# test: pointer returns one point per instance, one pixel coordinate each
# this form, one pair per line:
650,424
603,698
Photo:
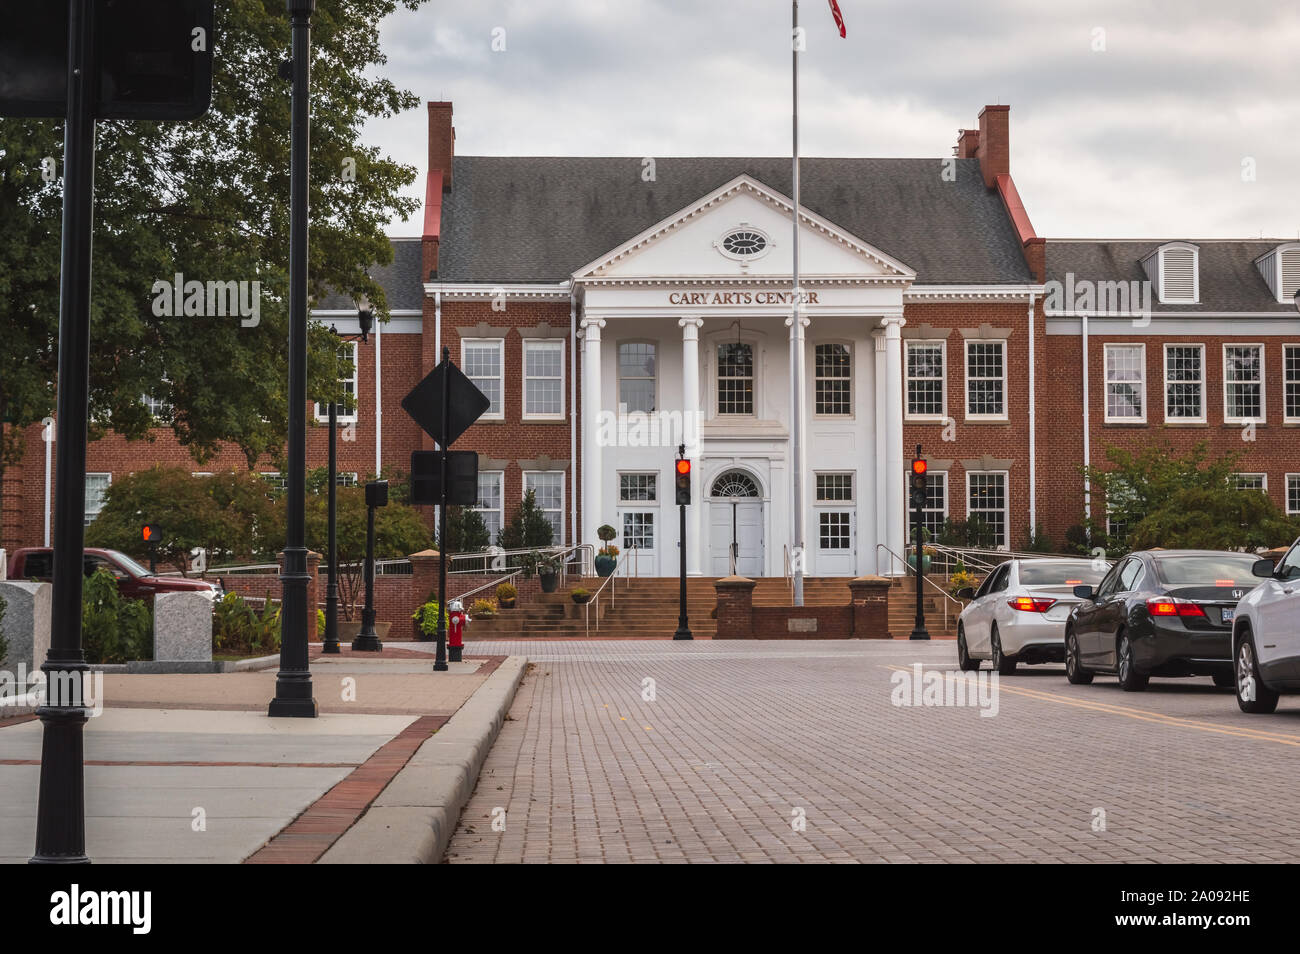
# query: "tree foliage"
527,528
466,532
207,199
1163,499
231,515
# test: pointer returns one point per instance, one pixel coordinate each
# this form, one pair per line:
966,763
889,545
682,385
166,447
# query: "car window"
37,566
94,563
1061,573
1110,582
1207,569
1129,575
1289,568
1001,579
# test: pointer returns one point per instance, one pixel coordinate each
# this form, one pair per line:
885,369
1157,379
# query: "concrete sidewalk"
189,769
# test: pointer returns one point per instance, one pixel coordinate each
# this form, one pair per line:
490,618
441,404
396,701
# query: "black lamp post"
293,688
365,321
368,640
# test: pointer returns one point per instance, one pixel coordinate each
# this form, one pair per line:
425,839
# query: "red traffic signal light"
149,533
683,466
683,482
920,465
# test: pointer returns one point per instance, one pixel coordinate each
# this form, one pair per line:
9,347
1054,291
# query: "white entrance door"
736,525
641,531
749,537
836,547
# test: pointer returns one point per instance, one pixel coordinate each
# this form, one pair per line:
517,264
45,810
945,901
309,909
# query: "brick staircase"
646,608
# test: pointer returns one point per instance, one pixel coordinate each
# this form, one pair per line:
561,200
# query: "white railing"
609,581
917,574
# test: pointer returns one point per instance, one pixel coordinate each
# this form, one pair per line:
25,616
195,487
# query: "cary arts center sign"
740,298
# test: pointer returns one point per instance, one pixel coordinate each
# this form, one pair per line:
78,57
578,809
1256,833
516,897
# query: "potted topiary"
606,556
506,595
548,573
483,609
580,595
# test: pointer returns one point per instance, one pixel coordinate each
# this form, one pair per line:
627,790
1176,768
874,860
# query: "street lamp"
365,321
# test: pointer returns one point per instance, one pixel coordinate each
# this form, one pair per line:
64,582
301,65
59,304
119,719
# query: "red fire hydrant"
457,620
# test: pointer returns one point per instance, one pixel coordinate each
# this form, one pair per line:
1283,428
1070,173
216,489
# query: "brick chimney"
968,143
442,141
994,143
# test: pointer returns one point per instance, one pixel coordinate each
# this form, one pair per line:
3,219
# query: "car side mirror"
1264,568
966,593
1083,591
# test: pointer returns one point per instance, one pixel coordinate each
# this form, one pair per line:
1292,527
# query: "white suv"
1266,635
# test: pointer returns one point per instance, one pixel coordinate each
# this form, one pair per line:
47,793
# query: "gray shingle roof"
538,219
401,281
1229,278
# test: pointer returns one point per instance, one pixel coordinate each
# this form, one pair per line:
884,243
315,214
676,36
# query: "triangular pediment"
694,244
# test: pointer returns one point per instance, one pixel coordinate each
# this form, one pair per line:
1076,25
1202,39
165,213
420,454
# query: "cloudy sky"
1129,118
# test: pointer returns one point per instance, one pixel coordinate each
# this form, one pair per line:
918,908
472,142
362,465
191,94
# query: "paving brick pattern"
741,736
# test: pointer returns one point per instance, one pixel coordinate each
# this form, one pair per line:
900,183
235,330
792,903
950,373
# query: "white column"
878,491
895,512
592,452
692,417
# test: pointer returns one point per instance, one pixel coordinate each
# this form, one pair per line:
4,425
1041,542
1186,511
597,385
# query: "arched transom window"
735,483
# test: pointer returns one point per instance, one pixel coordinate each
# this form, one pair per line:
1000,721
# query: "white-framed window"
638,529
1243,383
159,409
638,488
637,375
935,512
348,355
543,379
277,481
835,487
200,473
926,372
833,380
1257,482
345,480
735,378
986,498
835,530
1185,383
986,379
483,361
96,486
548,489
1126,383
1293,494
490,497
1291,382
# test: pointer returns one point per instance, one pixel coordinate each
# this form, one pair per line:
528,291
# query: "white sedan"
1018,614
1266,635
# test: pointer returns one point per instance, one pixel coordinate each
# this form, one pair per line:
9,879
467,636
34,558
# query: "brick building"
612,308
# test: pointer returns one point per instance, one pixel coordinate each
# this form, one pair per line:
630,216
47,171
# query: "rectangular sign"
462,478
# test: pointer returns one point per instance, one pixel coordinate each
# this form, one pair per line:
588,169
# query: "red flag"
839,17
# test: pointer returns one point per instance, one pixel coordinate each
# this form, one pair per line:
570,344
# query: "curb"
412,819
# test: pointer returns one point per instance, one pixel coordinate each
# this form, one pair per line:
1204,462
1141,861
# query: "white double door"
736,523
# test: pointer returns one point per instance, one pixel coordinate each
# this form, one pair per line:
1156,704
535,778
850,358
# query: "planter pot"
925,562
507,604
605,565
348,630
550,582
580,600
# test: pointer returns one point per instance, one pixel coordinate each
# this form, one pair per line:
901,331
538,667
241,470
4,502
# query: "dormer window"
1174,271
1281,269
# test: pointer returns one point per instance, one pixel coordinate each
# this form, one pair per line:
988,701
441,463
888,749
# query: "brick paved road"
741,736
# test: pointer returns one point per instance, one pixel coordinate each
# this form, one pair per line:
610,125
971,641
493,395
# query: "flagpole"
796,342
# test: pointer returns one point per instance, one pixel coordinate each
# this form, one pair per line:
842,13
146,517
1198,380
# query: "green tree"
229,515
527,528
1162,498
207,199
399,531
466,532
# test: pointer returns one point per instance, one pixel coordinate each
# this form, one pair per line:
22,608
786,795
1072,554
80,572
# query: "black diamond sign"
465,403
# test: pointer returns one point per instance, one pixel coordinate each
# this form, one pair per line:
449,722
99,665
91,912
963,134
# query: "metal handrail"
478,589
944,593
595,597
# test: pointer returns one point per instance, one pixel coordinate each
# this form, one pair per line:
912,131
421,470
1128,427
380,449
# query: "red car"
133,581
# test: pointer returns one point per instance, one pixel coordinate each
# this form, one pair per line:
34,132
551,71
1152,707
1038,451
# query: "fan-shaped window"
735,483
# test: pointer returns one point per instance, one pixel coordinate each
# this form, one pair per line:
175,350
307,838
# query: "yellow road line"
1142,715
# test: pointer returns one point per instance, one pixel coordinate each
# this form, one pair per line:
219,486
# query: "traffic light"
683,482
919,484
150,534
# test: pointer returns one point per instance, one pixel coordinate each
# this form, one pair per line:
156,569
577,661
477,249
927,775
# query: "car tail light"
1172,606
1027,604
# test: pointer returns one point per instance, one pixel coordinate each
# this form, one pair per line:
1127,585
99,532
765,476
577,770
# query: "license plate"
1228,614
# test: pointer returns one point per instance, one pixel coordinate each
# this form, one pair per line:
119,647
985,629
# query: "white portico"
686,339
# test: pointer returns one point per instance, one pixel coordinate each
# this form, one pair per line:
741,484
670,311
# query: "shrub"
580,592
4,643
1036,541
507,591
606,533
426,617
113,629
961,579
240,630
320,622
527,528
484,609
